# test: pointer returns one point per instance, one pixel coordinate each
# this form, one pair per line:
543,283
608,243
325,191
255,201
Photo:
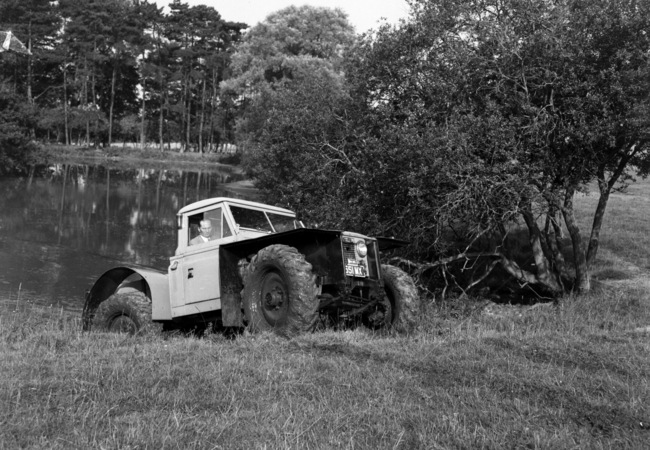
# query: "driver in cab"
205,233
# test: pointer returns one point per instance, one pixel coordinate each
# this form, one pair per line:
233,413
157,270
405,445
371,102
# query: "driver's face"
206,230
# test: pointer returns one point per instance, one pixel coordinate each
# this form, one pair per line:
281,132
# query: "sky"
362,14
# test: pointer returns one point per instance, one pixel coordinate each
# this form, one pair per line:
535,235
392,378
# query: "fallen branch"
420,268
524,277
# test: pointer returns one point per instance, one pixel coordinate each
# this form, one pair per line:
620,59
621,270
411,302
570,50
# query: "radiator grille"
348,251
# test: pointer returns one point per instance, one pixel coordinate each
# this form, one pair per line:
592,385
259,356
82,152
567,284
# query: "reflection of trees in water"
124,214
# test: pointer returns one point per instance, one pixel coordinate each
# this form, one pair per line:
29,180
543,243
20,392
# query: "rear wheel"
280,292
400,307
123,313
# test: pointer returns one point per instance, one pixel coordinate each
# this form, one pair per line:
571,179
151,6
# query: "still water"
62,226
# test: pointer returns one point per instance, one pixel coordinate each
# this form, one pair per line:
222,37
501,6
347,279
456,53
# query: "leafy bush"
16,120
458,128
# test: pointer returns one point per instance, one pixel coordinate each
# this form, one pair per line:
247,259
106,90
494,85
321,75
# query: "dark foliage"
16,119
91,60
465,124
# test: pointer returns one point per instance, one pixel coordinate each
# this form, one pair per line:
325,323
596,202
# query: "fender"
389,243
153,283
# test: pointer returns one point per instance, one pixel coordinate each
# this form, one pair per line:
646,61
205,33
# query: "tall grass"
552,376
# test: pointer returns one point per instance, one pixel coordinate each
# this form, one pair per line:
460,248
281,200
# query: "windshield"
251,218
283,223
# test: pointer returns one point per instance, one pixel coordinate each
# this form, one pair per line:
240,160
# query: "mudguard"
153,283
387,243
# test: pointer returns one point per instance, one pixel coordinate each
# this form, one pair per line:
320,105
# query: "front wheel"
123,313
401,306
280,292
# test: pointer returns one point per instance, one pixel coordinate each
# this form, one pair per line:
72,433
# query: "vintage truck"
257,266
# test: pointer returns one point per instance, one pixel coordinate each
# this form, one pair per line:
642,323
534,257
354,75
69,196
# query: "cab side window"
194,230
225,228
218,226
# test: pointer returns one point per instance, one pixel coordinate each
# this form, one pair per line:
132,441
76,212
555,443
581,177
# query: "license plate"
355,270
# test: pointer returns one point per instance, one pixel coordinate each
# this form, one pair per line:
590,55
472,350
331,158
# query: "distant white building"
10,43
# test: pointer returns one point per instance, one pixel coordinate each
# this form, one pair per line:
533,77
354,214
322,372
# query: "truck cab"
194,272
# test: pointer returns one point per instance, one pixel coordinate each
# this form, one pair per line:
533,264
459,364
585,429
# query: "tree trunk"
202,118
540,255
582,283
597,224
85,100
144,105
30,64
110,108
553,233
66,126
605,187
94,92
188,136
161,115
212,121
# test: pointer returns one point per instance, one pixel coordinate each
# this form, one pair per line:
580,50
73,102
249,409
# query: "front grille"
348,251
354,265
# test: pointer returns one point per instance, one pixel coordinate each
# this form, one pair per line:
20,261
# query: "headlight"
362,250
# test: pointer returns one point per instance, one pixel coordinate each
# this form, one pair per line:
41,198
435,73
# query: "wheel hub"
274,299
123,324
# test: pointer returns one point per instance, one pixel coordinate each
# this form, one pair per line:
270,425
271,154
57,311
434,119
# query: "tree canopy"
279,55
94,63
473,119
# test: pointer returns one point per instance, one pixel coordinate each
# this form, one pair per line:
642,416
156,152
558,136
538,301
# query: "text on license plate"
355,270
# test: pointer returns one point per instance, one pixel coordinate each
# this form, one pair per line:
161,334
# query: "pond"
63,225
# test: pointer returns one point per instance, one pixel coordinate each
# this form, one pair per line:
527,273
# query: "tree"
277,52
300,127
475,118
123,47
557,89
149,18
15,122
36,22
86,27
94,58
199,43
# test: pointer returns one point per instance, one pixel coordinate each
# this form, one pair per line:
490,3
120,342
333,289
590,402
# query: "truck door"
194,275
201,273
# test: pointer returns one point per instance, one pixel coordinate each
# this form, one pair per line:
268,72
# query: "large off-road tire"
280,292
128,312
401,306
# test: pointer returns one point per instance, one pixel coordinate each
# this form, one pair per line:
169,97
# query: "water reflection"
61,226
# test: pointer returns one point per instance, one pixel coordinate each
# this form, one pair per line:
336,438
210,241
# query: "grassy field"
474,375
